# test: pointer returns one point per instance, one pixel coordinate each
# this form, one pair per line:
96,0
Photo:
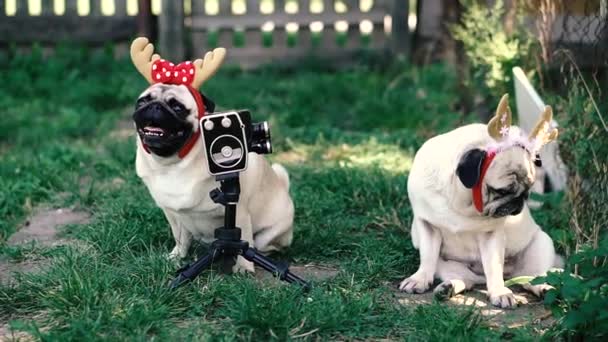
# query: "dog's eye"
177,107
501,192
142,101
537,161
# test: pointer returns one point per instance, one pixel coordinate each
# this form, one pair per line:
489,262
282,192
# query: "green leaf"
519,281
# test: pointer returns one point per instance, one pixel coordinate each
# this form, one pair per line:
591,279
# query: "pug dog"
170,161
468,189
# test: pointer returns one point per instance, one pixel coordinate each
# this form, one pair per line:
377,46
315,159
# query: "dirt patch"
529,311
41,227
7,268
7,334
309,272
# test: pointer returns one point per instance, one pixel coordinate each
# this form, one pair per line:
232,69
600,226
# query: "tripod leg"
280,270
189,272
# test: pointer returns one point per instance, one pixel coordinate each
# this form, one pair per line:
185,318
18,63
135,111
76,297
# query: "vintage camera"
229,136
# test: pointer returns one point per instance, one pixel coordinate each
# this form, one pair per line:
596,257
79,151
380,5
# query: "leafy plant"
580,302
491,51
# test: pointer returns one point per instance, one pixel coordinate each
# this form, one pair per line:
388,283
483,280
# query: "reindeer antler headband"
499,128
157,70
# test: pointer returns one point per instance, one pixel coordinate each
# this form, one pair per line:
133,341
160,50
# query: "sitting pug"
170,160
468,189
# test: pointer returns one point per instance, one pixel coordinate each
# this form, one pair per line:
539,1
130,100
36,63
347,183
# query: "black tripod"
228,244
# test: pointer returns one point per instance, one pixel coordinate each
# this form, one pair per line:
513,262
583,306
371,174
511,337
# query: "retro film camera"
228,138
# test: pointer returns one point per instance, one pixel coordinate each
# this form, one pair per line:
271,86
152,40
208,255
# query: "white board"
529,108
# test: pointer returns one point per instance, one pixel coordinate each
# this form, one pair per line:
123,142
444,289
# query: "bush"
491,52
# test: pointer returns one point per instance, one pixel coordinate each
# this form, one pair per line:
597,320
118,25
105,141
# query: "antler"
499,125
543,132
205,68
142,55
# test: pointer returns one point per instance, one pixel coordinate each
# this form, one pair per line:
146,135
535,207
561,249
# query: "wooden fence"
49,22
254,31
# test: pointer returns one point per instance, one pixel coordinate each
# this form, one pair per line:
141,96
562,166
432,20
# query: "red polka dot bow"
166,72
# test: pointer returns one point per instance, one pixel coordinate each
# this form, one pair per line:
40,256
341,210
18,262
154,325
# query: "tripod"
228,244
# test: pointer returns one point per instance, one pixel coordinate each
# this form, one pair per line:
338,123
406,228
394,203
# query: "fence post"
144,13
400,32
171,30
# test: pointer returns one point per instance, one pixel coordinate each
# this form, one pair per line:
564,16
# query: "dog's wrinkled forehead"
166,92
513,165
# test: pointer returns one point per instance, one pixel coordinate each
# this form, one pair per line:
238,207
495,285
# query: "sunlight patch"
368,154
371,154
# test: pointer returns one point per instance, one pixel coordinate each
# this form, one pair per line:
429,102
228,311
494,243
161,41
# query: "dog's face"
165,117
507,182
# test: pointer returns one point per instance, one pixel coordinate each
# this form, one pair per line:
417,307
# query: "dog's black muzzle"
513,207
162,130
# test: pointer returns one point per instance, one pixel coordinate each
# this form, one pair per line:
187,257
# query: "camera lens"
260,138
260,131
263,147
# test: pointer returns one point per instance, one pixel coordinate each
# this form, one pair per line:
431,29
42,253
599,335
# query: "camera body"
229,136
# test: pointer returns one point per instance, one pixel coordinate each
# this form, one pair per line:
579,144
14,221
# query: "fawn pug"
170,160
468,189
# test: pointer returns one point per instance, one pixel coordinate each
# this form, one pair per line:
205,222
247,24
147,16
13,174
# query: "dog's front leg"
429,244
182,237
492,250
243,221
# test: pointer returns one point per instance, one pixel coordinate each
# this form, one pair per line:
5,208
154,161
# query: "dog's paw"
243,266
419,282
444,291
538,290
175,255
502,298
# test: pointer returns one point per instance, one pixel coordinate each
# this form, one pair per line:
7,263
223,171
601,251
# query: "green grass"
347,137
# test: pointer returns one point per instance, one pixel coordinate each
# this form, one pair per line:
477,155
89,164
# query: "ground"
82,246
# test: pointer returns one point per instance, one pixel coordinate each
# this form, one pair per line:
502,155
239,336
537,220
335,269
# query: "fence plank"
46,8
400,32
171,30
225,7
328,6
120,8
253,38
353,36
144,18
225,34
304,6
279,7
198,38
353,6
95,7
21,9
304,37
71,8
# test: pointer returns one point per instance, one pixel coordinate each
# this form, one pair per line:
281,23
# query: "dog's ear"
209,104
469,167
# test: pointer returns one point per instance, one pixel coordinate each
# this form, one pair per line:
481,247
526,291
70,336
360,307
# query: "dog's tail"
282,173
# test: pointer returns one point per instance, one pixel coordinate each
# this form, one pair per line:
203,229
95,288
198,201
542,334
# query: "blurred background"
352,89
